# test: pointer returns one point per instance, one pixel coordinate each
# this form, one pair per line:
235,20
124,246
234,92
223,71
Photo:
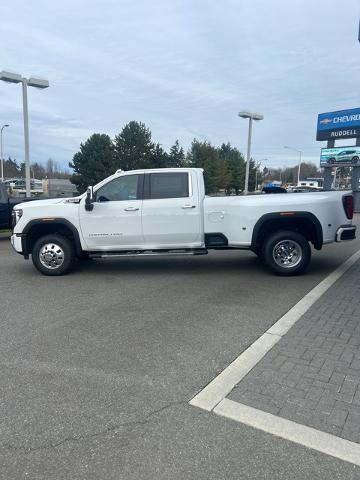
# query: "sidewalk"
312,375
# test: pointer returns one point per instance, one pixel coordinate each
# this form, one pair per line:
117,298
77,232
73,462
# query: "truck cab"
146,209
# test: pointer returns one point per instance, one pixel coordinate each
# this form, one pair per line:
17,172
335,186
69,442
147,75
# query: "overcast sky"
183,67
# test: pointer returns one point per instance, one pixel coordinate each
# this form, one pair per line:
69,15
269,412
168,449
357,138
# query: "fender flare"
284,216
52,221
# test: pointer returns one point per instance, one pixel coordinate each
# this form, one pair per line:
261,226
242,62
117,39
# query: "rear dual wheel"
286,253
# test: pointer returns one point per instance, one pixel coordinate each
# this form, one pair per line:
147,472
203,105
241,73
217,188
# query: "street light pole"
1,151
26,138
251,116
31,82
299,167
247,169
299,152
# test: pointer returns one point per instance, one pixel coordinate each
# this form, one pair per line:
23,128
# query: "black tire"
286,253
355,159
55,251
332,161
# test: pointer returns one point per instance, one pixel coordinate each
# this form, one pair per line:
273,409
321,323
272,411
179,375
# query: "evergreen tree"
206,156
235,165
22,169
158,158
176,157
134,148
94,162
11,168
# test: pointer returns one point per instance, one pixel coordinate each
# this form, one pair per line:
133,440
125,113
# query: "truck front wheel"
53,255
286,253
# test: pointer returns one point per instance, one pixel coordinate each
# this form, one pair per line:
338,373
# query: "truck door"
171,212
115,221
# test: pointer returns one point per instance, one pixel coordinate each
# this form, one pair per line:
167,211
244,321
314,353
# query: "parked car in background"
273,189
18,185
7,203
304,188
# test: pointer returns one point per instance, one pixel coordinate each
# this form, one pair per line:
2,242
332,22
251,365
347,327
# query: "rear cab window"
166,185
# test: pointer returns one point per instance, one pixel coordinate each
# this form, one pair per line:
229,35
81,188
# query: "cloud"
184,68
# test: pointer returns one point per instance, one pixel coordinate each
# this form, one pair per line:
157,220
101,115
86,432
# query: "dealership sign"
337,125
340,156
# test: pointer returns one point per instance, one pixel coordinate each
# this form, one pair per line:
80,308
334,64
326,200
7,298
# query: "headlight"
16,215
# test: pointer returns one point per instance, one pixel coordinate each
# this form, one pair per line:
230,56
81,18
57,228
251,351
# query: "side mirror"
89,199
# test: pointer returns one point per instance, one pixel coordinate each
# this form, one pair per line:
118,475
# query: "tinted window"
119,189
169,185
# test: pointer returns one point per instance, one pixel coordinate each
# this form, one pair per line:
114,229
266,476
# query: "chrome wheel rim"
51,256
287,254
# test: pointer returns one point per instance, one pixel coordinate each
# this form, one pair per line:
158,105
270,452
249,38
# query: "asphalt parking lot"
97,368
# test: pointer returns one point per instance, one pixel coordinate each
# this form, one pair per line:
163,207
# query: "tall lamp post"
251,116
31,82
299,152
1,150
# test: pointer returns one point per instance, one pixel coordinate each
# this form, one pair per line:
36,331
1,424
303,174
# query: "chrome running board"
149,253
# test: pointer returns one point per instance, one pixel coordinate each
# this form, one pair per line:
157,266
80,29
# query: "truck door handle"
188,206
131,209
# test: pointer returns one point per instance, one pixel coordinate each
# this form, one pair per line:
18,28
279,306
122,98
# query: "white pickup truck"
166,211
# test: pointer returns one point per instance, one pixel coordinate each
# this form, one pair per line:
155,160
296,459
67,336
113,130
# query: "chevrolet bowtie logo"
326,121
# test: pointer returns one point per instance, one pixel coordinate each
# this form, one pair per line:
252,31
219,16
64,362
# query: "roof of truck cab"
159,170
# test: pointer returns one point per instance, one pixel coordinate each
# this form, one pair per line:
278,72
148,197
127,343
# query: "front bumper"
345,232
16,243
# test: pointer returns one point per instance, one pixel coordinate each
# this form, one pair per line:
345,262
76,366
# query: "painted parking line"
212,397
281,427
221,386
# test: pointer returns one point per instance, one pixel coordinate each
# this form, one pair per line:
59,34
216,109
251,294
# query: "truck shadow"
160,265
244,263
